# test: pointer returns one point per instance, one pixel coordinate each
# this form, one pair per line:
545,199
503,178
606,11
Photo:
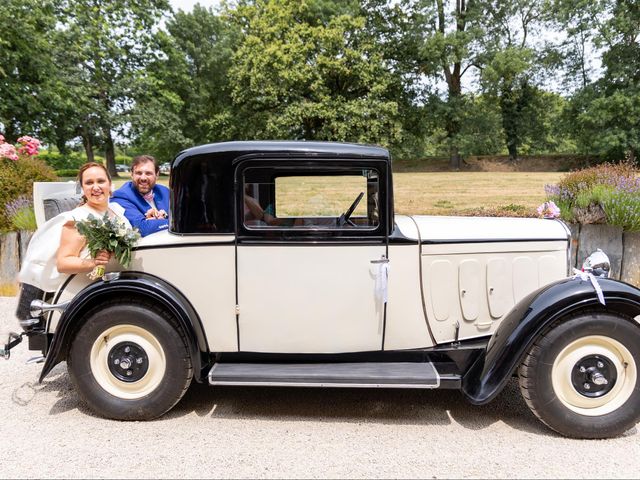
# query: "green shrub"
67,172
16,179
606,193
58,161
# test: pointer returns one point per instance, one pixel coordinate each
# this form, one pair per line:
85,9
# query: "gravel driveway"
286,432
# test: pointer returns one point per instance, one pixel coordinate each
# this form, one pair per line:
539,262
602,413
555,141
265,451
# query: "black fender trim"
137,283
529,318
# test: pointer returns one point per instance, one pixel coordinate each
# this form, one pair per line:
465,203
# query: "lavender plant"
21,214
604,194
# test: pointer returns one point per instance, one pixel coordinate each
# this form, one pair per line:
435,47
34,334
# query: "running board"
365,375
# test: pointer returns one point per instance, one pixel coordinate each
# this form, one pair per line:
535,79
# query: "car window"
346,199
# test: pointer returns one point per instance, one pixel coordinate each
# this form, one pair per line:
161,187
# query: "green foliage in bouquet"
110,235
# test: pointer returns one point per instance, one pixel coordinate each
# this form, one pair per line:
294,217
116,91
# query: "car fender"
142,285
530,317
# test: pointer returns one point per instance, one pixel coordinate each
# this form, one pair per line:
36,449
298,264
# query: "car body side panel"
474,285
204,272
207,273
406,324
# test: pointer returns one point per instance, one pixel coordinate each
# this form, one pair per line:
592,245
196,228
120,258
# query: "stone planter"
13,248
573,248
9,258
606,237
631,258
24,239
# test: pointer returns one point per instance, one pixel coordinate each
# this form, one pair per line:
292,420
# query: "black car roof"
238,149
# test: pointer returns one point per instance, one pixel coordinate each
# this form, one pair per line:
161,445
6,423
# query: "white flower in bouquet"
110,235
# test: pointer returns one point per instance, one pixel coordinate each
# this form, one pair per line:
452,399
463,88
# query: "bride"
57,249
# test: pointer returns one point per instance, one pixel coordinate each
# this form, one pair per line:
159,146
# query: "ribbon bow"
586,276
148,197
382,282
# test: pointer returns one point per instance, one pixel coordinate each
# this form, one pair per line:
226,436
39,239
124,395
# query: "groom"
146,204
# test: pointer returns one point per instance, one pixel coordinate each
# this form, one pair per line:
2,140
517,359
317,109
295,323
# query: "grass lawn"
447,193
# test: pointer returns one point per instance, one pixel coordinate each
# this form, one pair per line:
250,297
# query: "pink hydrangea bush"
29,147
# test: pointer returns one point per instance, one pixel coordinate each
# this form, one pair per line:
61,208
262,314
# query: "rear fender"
141,285
531,317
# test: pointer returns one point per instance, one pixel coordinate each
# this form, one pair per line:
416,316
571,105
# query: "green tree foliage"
27,69
443,39
512,62
607,112
297,79
184,97
108,45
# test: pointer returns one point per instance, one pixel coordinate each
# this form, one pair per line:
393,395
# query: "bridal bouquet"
110,235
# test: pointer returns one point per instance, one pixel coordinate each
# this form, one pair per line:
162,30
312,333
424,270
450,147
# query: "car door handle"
381,260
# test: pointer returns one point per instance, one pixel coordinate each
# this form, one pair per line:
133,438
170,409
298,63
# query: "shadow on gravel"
393,406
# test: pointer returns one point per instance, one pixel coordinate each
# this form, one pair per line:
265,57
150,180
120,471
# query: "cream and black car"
285,265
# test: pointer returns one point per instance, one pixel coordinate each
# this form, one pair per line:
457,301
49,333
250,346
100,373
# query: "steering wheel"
344,218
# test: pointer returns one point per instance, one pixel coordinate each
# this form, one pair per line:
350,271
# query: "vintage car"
285,265
165,169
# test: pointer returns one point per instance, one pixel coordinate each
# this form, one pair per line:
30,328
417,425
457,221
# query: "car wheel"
130,361
581,377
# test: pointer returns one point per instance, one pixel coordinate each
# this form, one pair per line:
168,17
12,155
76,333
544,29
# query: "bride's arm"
68,258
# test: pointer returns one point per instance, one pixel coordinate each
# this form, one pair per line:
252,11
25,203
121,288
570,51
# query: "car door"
310,255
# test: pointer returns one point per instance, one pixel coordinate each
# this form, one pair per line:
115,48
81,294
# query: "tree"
512,64
27,68
444,37
108,44
184,97
294,78
607,112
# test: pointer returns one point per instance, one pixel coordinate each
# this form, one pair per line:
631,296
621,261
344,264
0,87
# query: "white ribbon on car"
587,276
382,282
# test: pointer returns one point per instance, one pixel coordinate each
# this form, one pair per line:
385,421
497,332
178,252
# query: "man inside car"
145,203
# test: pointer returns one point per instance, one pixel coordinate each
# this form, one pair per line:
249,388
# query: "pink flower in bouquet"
548,210
1,138
8,151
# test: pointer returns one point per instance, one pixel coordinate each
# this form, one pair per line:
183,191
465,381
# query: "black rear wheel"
130,361
581,377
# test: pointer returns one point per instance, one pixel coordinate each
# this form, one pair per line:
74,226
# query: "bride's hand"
102,257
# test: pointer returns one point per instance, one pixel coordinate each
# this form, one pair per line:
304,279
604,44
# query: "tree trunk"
512,147
10,133
455,161
87,144
109,152
509,113
61,145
